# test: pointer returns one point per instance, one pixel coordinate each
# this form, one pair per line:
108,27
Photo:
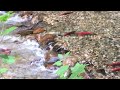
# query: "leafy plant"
61,57
7,59
4,18
67,54
75,71
7,31
3,70
58,63
61,71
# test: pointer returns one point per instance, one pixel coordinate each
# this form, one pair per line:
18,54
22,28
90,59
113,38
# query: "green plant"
8,59
6,16
75,71
62,71
3,19
61,57
3,70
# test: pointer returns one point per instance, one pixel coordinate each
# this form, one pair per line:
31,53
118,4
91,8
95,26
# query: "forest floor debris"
96,50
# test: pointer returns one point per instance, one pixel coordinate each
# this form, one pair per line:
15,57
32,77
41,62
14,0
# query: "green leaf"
4,56
6,16
58,63
62,70
60,56
80,68
76,70
3,70
3,18
9,59
7,31
67,54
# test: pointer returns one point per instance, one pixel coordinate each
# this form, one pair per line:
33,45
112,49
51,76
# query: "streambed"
29,57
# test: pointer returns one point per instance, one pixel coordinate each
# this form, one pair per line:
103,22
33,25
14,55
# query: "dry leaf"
38,30
47,37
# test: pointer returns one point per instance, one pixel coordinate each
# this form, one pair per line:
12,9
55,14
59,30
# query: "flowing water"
28,55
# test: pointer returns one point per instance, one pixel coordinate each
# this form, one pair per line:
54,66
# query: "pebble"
71,61
53,60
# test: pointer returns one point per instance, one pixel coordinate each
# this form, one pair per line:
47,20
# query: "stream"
29,57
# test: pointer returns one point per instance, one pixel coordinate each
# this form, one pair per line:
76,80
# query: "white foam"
2,12
15,19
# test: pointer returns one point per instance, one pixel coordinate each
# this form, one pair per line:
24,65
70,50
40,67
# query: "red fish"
84,33
115,69
114,64
66,13
69,33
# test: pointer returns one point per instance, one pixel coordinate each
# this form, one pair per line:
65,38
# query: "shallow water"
29,58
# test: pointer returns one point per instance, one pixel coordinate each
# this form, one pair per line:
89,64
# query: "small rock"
102,71
50,55
71,61
53,60
49,66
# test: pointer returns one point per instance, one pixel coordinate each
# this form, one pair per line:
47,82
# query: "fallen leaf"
38,30
47,37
